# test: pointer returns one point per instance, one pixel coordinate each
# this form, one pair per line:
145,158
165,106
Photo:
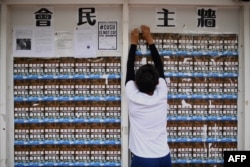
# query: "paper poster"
64,43
85,42
23,40
33,42
44,42
107,35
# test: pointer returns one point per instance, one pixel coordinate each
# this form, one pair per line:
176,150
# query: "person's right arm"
131,56
130,64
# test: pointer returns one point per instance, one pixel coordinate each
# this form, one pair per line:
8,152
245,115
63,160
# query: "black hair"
146,78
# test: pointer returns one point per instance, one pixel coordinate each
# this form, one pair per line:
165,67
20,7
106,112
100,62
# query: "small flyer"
85,43
107,35
23,38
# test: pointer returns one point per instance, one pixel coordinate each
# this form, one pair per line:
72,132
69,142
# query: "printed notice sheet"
107,35
85,42
64,43
33,42
44,42
23,39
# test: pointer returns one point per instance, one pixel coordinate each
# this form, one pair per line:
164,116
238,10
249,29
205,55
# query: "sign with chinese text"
43,17
165,17
206,17
107,35
86,16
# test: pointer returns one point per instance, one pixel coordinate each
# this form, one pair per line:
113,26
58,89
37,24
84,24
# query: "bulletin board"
67,72
202,97
67,86
201,64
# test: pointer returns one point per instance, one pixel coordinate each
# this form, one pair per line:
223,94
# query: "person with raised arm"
146,92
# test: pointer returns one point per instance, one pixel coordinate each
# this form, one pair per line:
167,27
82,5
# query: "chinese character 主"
85,15
206,18
166,18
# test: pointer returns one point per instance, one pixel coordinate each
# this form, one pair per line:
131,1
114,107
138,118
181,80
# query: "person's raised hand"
147,34
135,36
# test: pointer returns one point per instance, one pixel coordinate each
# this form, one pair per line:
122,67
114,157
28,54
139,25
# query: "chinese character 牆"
206,18
166,18
85,14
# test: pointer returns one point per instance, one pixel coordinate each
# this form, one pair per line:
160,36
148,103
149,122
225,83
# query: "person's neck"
150,93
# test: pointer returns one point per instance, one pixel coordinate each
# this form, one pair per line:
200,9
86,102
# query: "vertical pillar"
124,114
246,80
3,89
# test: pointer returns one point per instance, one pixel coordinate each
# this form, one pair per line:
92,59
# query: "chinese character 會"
43,17
166,18
85,16
206,18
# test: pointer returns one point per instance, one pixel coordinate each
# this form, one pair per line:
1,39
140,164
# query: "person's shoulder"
131,89
162,84
162,80
130,84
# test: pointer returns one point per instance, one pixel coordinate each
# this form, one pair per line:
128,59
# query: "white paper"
85,42
44,42
107,35
64,43
33,42
23,40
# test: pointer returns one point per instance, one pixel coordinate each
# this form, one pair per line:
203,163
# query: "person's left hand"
147,34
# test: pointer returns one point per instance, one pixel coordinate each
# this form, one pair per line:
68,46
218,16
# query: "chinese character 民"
43,17
206,18
85,16
165,18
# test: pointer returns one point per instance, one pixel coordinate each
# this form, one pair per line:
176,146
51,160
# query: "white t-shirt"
148,119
